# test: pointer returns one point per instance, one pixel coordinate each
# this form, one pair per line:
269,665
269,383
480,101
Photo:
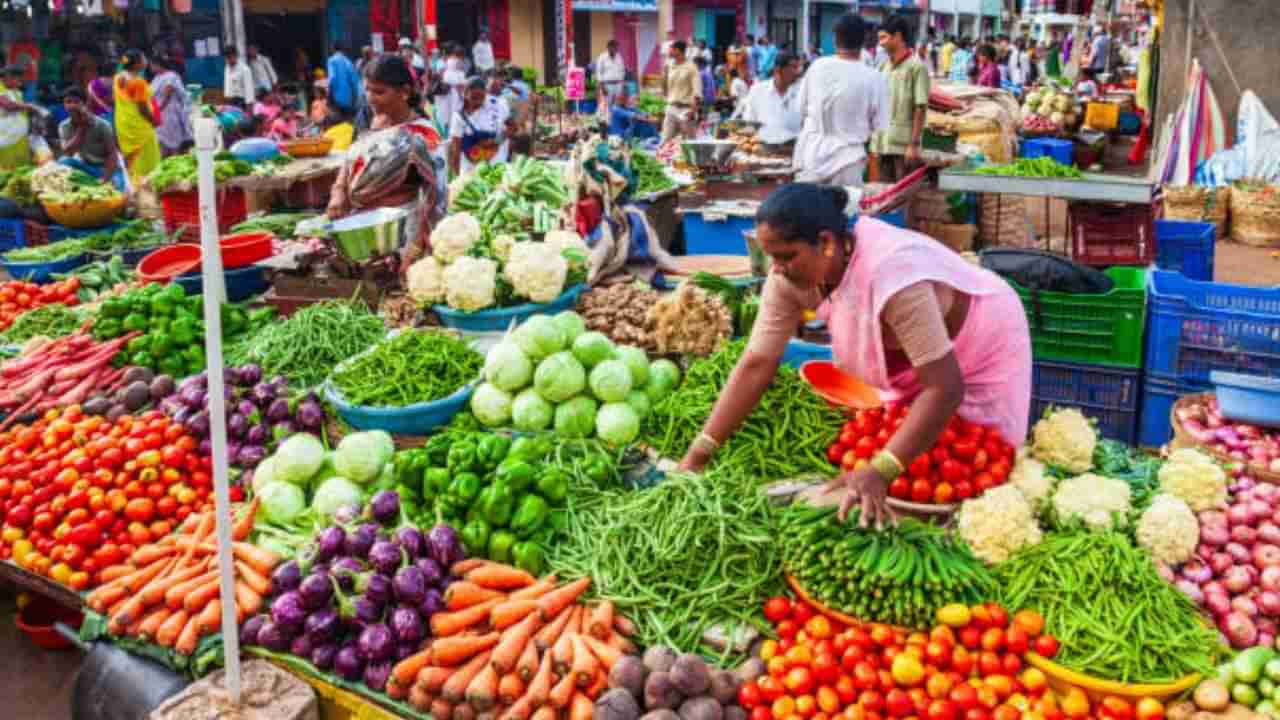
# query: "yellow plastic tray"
1061,678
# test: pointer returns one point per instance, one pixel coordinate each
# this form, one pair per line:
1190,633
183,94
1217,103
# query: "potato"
629,674
660,693
1180,711
1212,695
750,670
660,715
691,675
733,712
616,704
724,687
703,707
659,658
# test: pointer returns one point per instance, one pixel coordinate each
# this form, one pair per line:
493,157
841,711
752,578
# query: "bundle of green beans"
51,321
53,252
309,344
1114,615
415,366
900,575
786,436
686,555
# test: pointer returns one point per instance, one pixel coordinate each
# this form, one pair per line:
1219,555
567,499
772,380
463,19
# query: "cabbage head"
298,458
326,471
637,362
335,493
559,377
529,412
617,423
360,457
576,418
592,348
507,367
611,381
282,502
491,405
571,324
663,378
640,403
264,473
539,337
388,444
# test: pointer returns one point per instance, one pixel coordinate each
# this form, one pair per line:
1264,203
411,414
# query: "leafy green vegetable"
1041,167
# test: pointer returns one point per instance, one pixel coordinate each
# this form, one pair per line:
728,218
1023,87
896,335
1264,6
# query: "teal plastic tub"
499,319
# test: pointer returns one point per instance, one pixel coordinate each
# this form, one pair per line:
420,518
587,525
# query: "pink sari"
993,347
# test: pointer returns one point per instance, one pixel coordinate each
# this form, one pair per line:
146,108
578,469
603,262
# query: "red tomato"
921,491
871,700
865,676
761,712
941,710
1115,708
825,669
920,467
989,664
999,616
749,696
964,489
770,688
999,470
939,455
897,703
964,450
799,681
953,472
993,639
944,493
964,695
901,487
1016,640
777,609
801,612
846,690
787,629
1011,663
865,448
1046,646
835,452
983,482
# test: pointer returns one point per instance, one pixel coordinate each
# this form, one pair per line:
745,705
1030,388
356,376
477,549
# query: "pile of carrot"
168,591
510,646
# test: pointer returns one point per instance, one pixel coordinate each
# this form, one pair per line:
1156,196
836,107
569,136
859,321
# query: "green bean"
311,342
413,367
51,321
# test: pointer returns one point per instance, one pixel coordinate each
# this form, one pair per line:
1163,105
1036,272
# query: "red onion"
1245,482
1239,553
1266,556
1269,579
1236,579
1239,515
1266,624
1217,535
1166,572
1237,455
1219,605
1259,508
1213,587
1239,629
1269,603
1192,591
1269,532
1220,563
1212,517
1243,604
1244,534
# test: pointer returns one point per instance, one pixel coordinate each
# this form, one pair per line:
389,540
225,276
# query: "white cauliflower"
51,178
502,246
470,283
1195,478
454,236
1030,478
536,271
563,240
1065,439
998,524
1168,530
1094,499
426,281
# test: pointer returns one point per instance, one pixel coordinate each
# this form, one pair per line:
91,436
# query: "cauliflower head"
502,246
470,283
1065,439
563,240
1093,499
454,236
998,524
1168,530
426,281
536,270
1030,477
1195,478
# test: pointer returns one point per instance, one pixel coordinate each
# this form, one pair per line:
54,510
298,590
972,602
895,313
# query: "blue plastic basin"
242,283
418,419
1248,398
40,272
499,319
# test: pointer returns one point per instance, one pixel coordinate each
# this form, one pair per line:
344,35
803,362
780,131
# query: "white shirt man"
482,54
264,75
237,81
842,103
778,112
611,71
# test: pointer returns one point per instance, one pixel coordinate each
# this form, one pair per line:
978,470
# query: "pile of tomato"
971,666
80,493
17,297
967,460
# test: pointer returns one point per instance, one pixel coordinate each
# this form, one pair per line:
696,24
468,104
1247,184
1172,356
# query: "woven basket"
310,147
1003,221
1181,439
957,236
1198,204
1255,214
990,143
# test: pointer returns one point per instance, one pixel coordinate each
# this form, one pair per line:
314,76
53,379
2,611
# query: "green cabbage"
388,444
263,474
507,367
611,381
592,348
335,493
640,403
298,458
282,502
360,457
617,423
663,378
529,412
576,417
637,362
571,324
559,377
539,337
491,405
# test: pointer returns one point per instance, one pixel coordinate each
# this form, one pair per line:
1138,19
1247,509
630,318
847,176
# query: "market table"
40,585
305,182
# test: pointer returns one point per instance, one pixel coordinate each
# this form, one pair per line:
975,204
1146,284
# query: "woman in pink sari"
907,316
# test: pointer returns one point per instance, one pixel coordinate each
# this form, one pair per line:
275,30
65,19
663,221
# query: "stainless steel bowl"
368,234
707,153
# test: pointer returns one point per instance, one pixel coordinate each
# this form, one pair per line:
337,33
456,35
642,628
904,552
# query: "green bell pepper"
553,484
475,537
464,489
437,449
161,345
114,308
234,320
143,359
409,465
530,514
435,481
498,501
530,449
173,365
596,469
530,557
517,474
501,543
135,322
161,305
491,450
107,328
183,331
462,456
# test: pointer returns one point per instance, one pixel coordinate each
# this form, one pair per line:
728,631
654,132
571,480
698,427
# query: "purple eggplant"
366,611
432,603
322,655
445,546
281,384
288,610
193,397
316,590
406,625
286,577
278,410
385,557
411,539
322,625
199,382
250,455
329,542
249,630
249,374
206,446
360,542
246,408
258,435
409,585
345,570
404,650
432,575
376,587
199,423
182,415
377,674
302,646
171,405
376,643
272,636
348,663
237,426
310,415
385,507
233,449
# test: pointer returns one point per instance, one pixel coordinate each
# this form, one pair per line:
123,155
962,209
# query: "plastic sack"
1037,270
1253,124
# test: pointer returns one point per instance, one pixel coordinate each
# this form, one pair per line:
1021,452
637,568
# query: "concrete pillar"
666,19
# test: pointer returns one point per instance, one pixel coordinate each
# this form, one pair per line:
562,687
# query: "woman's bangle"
707,443
887,465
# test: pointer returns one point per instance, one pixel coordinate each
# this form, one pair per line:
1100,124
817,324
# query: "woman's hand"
695,459
865,485
339,206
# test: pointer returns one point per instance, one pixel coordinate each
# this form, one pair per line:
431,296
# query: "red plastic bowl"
37,619
245,249
839,387
169,262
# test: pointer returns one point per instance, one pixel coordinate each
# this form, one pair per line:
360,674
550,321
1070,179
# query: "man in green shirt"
897,149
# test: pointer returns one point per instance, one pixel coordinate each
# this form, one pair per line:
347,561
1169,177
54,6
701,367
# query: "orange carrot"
510,688
455,688
585,665
168,632
210,617
202,532
482,692
432,678
598,685
622,644
562,653
154,592
547,636
260,559
527,665
188,526
241,528
440,708
462,567
496,576
256,581
448,651
552,603
131,630
406,671
396,691
463,711
148,554
623,625
507,652
247,601
104,597
115,572
606,654
152,621
562,692
189,636
463,594
200,597
135,582
600,622
520,710
540,686
175,596
536,590
546,712
581,707
509,613
451,623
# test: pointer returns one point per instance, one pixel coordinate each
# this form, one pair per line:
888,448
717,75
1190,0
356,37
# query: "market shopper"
101,95
906,315
15,120
344,83
988,67
842,104
773,102
135,117
88,141
611,71
174,102
897,148
264,73
478,131
684,95
482,54
237,80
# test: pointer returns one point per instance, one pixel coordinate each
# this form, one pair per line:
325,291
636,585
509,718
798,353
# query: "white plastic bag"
1256,130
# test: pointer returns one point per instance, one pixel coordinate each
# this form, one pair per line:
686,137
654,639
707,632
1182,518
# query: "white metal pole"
804,26
214,294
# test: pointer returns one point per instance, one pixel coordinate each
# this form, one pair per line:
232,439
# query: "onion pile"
1235,575
1240,441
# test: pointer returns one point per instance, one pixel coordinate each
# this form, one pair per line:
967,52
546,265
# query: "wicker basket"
310,147
91,214
1255,214
1182,439
957,236
1198,204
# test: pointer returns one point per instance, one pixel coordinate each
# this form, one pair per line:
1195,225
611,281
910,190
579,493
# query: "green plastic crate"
1101,329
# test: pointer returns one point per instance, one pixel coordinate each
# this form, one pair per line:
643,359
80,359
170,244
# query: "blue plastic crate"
1186,247
13,234
800,352
1108,394
1129,123
1060,150
1197,327
715,237
1248,398
1158,397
